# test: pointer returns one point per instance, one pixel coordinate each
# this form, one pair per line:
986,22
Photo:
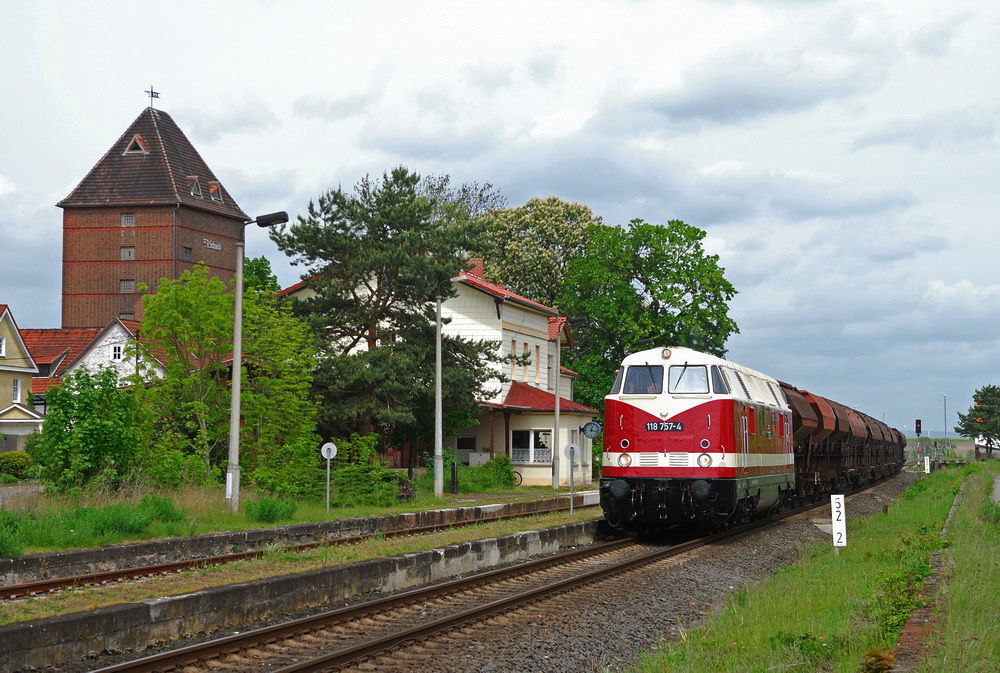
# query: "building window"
186,254
194,185
128,219
513,359
126,286
116,352
16,390
127,316
531,446
137,145
215,191
128,253
3,346
527,362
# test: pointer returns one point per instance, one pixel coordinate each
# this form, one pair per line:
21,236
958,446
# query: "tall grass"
829,611
85,526
968,639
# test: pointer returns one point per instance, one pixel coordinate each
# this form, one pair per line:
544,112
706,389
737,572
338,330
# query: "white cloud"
7,186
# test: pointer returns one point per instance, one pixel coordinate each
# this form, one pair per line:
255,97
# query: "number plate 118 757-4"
665,426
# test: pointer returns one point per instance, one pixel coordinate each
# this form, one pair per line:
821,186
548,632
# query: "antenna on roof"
152,94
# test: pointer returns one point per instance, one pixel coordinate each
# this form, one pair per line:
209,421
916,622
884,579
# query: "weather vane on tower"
152,94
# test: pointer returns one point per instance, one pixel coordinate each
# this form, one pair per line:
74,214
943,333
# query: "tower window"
137,145
186,254
194,185
128,219
128,253
126,286
215,191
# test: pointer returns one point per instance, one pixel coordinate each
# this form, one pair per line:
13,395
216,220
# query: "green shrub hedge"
16,463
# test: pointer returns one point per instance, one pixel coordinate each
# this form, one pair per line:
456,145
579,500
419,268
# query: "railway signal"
918,427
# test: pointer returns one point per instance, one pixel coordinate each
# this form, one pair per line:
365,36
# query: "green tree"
258,277
188,327
531,246
279,447
644,282
377,258
90,433
982,420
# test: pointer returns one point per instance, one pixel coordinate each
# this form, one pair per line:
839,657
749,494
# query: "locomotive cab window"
719,386
688,379
617,387
644,379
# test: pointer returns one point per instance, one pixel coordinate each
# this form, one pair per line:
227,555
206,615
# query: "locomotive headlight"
624,460
704,460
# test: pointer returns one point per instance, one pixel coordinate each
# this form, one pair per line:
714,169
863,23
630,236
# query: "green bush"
16,463
7,478
269,510
11,544
497,473
364,485
161,509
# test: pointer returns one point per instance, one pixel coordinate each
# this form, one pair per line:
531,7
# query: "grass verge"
39,523
966,639
838,612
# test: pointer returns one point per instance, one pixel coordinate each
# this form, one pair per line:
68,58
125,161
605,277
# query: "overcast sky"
842,156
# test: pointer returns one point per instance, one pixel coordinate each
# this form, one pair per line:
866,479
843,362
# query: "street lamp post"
438,407
233,469
557,447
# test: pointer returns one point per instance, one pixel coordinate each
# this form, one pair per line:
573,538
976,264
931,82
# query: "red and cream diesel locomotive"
693,438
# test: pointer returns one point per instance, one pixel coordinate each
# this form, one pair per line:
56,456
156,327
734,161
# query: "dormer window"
136,146
194,185
215,191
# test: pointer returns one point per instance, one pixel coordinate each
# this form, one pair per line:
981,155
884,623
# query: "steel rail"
40,587
173,659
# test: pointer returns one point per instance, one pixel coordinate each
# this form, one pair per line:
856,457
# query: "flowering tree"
531,246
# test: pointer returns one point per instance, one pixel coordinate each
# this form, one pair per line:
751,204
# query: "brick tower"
149,209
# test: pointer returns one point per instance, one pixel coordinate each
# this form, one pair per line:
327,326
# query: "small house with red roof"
17,416
519,420
61,351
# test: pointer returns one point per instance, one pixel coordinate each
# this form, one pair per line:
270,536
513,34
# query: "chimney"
475,267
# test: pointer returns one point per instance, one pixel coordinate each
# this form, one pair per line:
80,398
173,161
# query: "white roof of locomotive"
754,381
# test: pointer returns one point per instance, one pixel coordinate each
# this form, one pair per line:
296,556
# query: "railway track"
417,621
54,585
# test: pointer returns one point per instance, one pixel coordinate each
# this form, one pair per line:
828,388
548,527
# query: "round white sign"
329,450
572,451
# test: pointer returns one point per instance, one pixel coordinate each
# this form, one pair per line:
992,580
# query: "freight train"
691,438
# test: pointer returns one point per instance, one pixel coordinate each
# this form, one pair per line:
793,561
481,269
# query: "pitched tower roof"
153,163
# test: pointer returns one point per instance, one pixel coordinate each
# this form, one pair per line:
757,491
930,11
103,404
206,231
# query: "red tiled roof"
157,176
527,397
474,280
47,345
40,384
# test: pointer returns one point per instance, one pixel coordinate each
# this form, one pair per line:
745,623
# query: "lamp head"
271,219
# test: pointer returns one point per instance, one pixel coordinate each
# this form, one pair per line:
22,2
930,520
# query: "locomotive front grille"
677,459
649,460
